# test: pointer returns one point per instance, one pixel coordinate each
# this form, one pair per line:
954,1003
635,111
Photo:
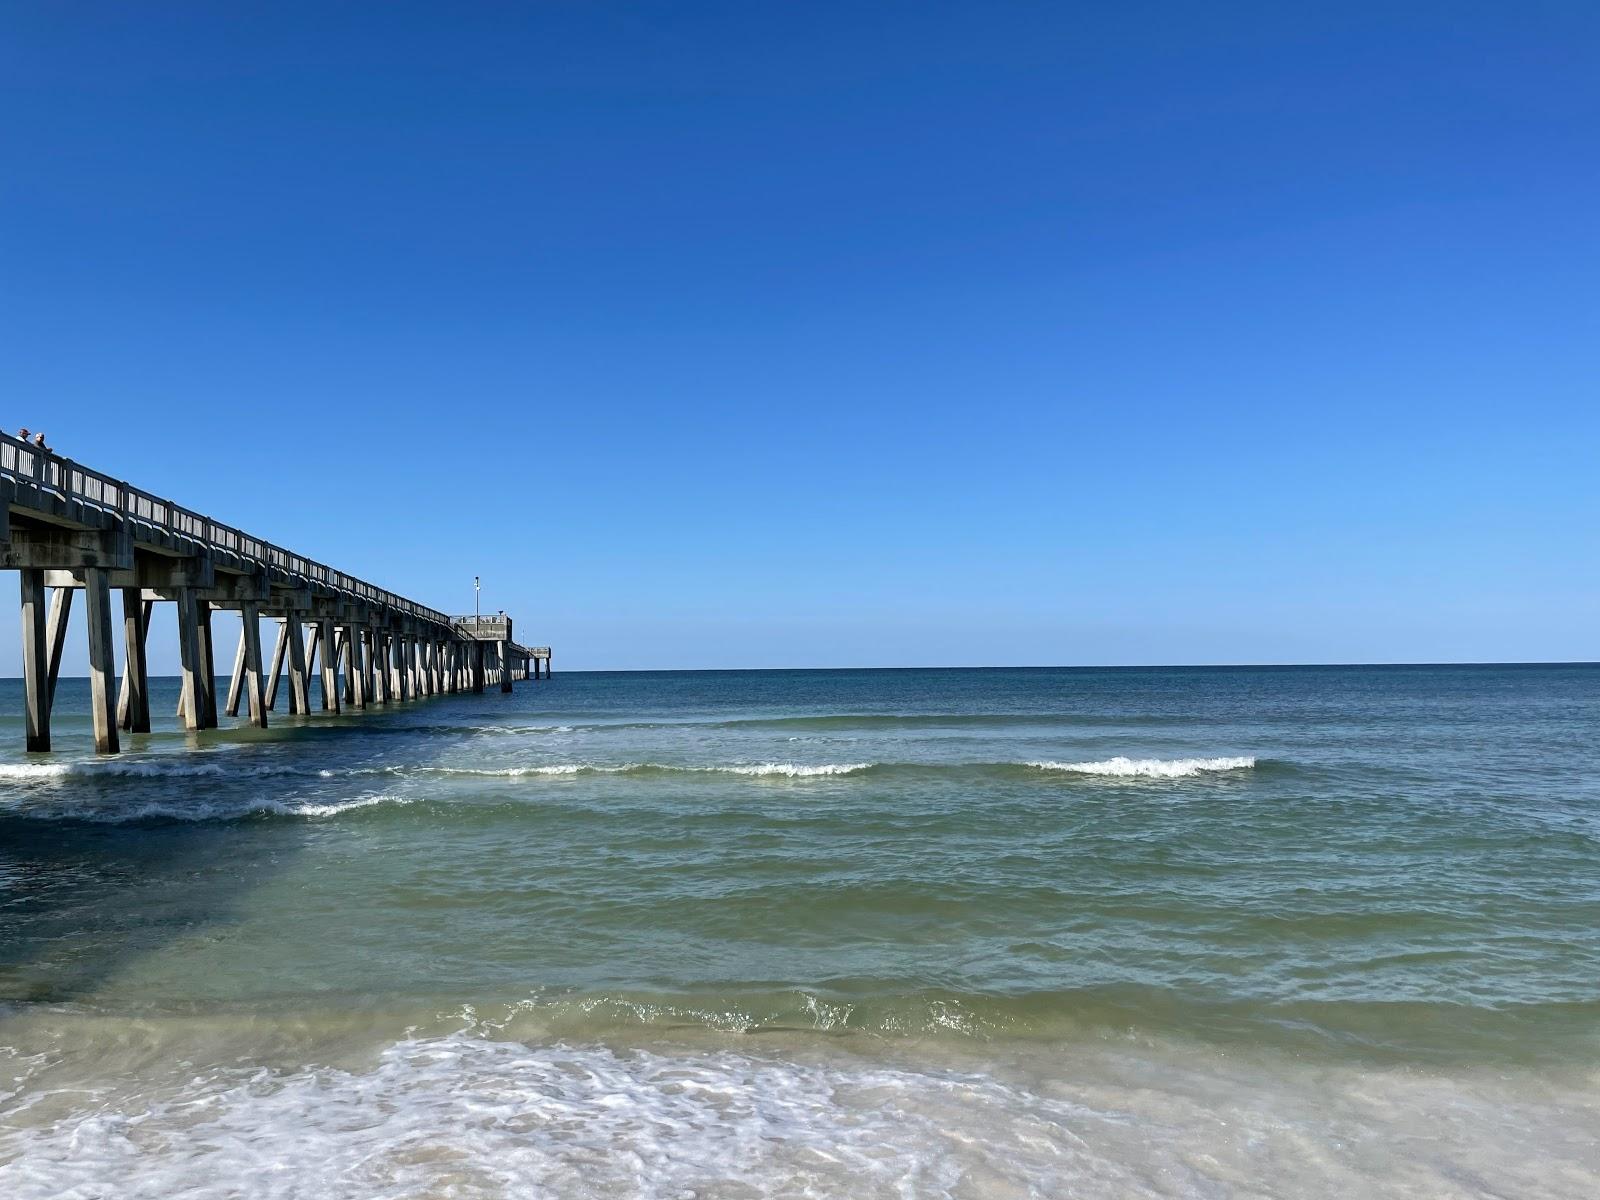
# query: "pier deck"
66,528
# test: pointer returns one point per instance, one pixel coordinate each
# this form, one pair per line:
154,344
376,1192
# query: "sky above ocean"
735,335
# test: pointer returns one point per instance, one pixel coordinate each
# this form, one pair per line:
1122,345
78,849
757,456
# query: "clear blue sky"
749,334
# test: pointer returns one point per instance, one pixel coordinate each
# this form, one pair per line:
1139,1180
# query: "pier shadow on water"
105,860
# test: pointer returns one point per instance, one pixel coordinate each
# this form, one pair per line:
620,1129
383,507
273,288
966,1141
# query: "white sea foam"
172,767
783,769
122,811
1149,768
33,772
796,770
292,809
520,729
472,1117
178,768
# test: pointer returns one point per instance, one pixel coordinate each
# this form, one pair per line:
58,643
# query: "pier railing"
492,627
49,471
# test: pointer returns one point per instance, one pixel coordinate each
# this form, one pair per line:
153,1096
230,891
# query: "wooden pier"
65,528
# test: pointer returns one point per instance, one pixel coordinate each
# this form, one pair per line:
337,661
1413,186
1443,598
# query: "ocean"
1231,932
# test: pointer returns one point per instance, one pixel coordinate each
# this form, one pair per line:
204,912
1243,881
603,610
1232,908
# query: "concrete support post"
102,659
60,613
250,619
313,644
381,679
236,680
376,670
397,667
369,656
190,705
280,648
35,661
477,667
206,676
343,661
504,651
330,668
299,691
133,703
357,667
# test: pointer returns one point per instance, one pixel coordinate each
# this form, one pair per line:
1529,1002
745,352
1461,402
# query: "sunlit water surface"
1295,932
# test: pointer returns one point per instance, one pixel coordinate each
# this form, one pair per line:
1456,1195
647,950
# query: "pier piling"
64,527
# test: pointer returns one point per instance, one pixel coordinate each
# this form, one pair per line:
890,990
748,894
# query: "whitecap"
795,770
124,813
1149,768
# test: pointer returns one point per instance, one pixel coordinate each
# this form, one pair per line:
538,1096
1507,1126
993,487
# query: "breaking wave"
779,769
201,809
1149,768
477,1117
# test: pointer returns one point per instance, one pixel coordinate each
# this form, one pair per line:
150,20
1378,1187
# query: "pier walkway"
66,528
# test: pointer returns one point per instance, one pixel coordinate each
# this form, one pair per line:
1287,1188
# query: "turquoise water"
1312,931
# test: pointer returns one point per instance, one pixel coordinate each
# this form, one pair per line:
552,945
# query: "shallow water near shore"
1200,932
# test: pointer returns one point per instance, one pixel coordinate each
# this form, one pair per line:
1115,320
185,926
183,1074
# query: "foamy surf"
476,1118
126,813
172,767
785,770
1122,767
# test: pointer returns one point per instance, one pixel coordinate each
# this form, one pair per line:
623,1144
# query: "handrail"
49,471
